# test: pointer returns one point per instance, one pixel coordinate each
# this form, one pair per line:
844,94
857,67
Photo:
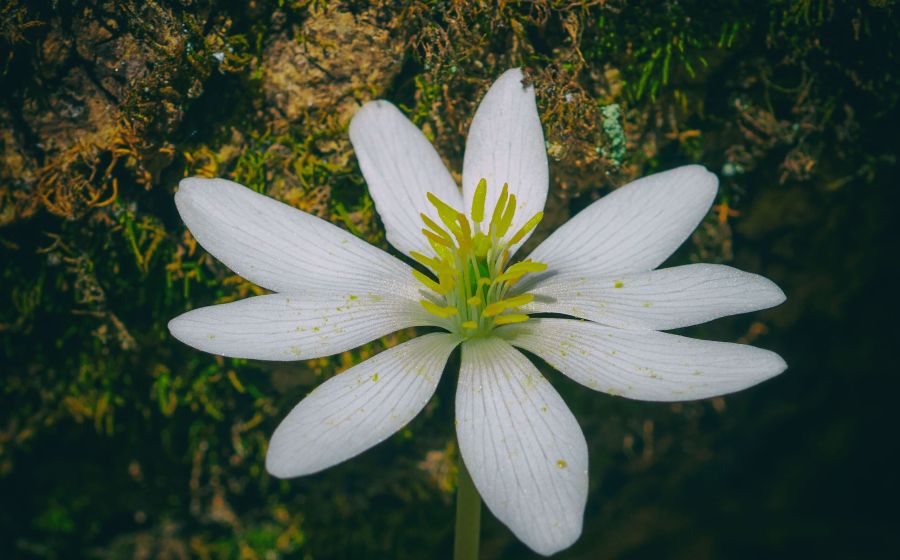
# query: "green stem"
468,517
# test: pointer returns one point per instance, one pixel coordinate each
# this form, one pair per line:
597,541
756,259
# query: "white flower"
333,292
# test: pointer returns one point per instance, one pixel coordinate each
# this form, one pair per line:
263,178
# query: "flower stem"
468,517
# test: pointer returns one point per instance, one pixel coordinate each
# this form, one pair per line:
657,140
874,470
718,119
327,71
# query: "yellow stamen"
429,283
449,223
523,231
499,307
440,249
509,319
501,204
478,201
431,263
507,218
469,271
466,238
445,211
520,269
437,239
435,227
435,309
481,244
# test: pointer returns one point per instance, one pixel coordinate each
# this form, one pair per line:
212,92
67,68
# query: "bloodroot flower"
521,445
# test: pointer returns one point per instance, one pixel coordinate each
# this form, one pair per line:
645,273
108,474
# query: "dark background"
116,441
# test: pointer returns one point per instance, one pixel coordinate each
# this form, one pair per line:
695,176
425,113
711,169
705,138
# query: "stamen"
466,238
439,249
499,307
478,201
431,263
435,309
529,225
470,265
520,269
429,283
437,239
509,319
435,227
501,204
482,244
445,211
507,218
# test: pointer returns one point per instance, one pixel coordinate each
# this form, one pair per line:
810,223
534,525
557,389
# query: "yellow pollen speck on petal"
619,284
561,464
375,377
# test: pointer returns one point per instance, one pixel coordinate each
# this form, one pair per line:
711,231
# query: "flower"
522,446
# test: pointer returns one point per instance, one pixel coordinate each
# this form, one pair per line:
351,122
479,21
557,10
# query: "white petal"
288,327
644,365
506,145
661,299
522,446
359,408
400,166
634,228
281,248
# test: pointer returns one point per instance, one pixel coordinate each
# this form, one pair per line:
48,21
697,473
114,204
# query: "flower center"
471,277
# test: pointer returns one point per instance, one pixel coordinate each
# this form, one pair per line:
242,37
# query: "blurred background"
116,441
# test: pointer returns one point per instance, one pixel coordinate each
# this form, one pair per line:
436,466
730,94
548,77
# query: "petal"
662,299
522,445
359,408
644,365
287,327
506,145
400,166
633,229
281,248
